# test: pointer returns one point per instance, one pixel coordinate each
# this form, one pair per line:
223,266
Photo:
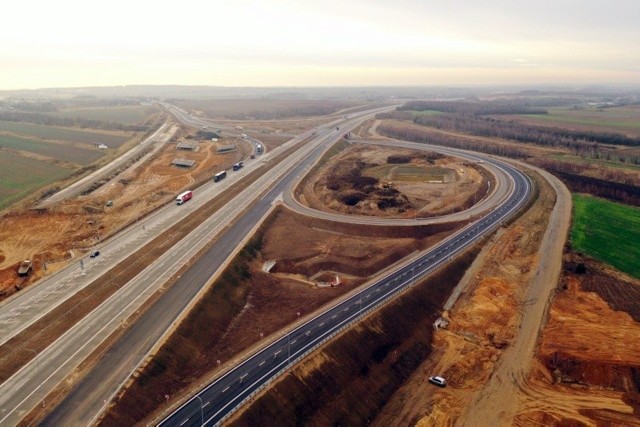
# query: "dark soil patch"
621,294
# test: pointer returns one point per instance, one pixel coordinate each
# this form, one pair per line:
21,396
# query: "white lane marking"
225,389
262,363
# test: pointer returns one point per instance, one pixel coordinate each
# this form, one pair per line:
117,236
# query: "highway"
27,387
86,401
23,309
217,401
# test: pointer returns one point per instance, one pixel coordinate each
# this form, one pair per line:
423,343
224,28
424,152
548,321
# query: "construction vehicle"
24,268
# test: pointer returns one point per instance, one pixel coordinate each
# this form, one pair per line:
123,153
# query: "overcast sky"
66,43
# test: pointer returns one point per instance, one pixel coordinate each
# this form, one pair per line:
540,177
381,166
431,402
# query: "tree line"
613,185
423,135
521,132
577,183
486,107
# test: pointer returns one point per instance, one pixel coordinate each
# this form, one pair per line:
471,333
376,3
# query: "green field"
20,176
607,231
63,134
125,114
614,119
67,153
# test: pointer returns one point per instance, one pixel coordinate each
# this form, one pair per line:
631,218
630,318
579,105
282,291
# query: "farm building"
183,163
189,146
226,148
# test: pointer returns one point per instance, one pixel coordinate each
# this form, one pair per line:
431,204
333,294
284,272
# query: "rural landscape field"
58,142
336,213
350,179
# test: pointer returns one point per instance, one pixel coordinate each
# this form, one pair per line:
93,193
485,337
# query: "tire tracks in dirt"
498,402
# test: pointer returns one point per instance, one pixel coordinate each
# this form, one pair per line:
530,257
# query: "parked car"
94,254
439,381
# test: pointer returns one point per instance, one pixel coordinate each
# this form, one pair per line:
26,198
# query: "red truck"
183,197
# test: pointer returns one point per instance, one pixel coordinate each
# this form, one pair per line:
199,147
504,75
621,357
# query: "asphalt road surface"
88,398
218,400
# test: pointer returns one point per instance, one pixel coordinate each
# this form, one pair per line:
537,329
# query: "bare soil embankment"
588,363
483,324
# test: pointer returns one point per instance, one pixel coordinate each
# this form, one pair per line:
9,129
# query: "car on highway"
439,381
94,254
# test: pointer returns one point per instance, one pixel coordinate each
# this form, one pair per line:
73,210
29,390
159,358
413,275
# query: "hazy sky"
318,43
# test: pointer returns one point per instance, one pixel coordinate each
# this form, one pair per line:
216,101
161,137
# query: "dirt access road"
498,401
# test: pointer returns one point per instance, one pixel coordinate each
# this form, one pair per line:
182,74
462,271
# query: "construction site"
568,381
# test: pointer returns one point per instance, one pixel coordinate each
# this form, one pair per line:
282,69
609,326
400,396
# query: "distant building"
183,163
225,149
189,146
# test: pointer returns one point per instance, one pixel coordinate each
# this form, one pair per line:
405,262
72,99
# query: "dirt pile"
386,182
589,365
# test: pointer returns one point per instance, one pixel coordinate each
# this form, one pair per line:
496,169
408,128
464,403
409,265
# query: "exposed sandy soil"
483,323
58,235
364,180
588,363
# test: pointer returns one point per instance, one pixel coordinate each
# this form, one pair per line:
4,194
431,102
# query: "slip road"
219,399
